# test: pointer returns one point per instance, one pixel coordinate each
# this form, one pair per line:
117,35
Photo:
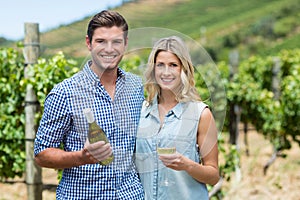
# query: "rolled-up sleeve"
55,122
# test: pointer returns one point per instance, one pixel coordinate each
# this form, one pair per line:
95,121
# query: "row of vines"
250,88
275,117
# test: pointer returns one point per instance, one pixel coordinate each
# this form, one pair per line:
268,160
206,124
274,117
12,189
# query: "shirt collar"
153,109
178,110
93,76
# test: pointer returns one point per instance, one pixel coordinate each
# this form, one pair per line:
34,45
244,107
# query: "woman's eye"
159,65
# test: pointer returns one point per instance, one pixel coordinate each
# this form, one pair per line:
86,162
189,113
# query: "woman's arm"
207,139
208,171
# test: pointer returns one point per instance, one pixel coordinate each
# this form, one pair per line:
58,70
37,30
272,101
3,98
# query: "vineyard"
255,100
265,89
282,181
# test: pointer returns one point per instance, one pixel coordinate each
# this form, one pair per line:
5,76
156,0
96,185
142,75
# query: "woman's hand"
175,161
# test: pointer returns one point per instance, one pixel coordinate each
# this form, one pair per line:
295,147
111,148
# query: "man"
115,98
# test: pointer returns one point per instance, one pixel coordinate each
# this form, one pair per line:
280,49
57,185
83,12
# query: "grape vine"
250,88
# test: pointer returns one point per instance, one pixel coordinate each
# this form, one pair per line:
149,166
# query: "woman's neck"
165,103
167,100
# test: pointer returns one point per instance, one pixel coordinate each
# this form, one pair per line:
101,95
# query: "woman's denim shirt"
179,128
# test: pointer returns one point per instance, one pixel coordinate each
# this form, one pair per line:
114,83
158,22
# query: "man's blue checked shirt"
63,122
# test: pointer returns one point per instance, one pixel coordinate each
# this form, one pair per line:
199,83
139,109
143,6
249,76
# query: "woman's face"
167,71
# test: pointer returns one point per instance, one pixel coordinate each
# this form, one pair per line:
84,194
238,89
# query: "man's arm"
60,159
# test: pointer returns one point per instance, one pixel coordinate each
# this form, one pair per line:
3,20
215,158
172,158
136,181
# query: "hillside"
252,27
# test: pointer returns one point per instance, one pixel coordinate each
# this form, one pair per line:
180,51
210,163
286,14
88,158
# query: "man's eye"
117,42
100,41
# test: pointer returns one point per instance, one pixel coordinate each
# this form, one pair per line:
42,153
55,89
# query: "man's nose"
108,46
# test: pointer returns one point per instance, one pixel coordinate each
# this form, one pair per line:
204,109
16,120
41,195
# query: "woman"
175,116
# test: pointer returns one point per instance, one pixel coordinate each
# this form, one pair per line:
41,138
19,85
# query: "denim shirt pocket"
185,136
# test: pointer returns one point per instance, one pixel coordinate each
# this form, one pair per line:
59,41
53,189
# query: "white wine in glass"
166,150
162,150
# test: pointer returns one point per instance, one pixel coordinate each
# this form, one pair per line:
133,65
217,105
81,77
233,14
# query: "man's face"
107,47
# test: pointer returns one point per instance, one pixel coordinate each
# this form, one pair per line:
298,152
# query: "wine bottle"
96,134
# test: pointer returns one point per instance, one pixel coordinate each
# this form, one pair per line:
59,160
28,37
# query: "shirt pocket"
184,136
145,162
184,145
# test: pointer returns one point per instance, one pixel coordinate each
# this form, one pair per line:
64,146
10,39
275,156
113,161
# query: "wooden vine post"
276,82
234,114
33,172
235,111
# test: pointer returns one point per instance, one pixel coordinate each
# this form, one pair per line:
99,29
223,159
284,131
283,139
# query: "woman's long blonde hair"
175,45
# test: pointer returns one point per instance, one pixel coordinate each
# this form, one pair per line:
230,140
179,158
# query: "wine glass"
164,148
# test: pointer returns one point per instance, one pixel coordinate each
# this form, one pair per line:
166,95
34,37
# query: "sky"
48,14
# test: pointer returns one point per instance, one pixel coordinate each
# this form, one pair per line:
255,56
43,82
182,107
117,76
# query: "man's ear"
88,43
126,42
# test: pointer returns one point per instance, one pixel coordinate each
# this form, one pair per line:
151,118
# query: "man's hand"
96,152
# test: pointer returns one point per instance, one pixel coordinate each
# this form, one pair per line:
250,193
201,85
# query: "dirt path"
16,189
281,182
